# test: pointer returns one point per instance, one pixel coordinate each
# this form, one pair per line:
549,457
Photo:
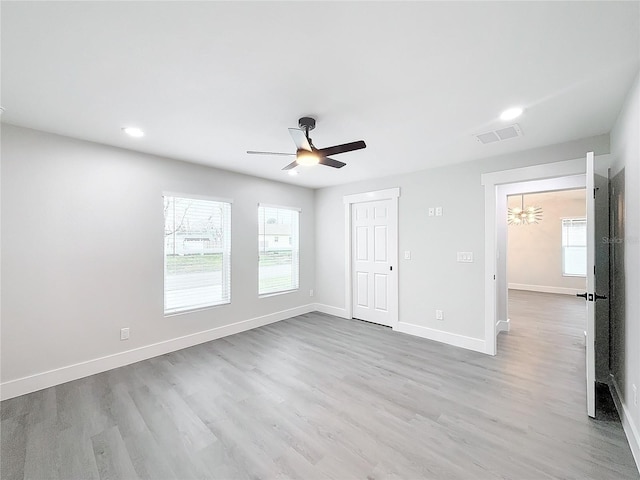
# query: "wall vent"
505,133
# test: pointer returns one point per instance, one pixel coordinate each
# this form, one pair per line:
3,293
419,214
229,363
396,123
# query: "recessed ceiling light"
133,131
293,173
511,113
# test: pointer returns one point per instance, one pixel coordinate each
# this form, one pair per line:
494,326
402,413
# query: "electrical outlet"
407,255
124,333
438,211
432,211
311,292
635,394
439,315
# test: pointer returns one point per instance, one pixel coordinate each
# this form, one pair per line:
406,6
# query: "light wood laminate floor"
319,397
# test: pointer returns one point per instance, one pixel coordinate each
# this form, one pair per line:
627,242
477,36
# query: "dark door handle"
583,295
600,297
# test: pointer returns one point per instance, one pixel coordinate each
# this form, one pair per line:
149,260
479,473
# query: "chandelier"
524,215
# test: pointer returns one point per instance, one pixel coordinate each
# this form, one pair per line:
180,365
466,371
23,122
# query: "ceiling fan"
307,153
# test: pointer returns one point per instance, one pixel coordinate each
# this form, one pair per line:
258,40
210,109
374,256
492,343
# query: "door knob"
583,295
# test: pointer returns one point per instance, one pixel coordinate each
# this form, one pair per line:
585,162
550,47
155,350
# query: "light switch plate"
432,211
465,257
407,255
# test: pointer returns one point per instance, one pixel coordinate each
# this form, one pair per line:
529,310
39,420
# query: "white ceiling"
207,81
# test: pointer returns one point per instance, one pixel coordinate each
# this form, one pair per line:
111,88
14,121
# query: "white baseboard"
629,427
454,339
329,310
503,325
21,386
546,289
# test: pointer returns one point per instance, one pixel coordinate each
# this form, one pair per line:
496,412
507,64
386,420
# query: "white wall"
82,255
432,279
625,148
535,251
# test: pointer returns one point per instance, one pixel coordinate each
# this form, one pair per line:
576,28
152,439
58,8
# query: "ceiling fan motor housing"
307,123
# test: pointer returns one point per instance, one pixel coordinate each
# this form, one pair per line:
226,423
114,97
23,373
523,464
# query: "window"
574,247
197,253
278,265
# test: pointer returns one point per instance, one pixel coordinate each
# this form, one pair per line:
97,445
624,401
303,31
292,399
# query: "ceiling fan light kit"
307,158
306,152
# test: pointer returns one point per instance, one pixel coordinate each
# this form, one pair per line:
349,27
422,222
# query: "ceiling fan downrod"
307,124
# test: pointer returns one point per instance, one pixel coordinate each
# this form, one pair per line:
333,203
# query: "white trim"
503,325
21,386
546,289
475,344
269,205
280,292
347,259
196,197
629,427
372,196
534,172
330,310
491,181
387,194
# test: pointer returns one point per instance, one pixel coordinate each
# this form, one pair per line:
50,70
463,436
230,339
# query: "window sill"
193,310
275,294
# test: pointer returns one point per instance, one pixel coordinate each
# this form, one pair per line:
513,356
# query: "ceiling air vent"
501,134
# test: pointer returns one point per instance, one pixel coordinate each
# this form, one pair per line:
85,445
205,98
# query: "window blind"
574,247
197,253
278,246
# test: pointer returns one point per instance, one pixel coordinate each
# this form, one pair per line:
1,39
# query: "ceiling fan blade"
293,164
330,162
253,152
300,139
345,147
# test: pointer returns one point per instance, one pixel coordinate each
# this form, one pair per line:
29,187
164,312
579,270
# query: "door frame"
388,194
491,181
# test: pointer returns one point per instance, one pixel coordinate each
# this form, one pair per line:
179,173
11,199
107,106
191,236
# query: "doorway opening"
566,175
547,255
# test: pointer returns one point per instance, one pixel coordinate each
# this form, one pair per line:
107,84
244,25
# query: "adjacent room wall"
534,254
625,148
432,279
82,256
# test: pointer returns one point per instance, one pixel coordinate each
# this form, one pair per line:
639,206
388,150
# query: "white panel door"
374,244
594,259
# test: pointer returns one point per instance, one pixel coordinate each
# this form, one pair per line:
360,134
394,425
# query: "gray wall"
432,279
82,251
625,148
